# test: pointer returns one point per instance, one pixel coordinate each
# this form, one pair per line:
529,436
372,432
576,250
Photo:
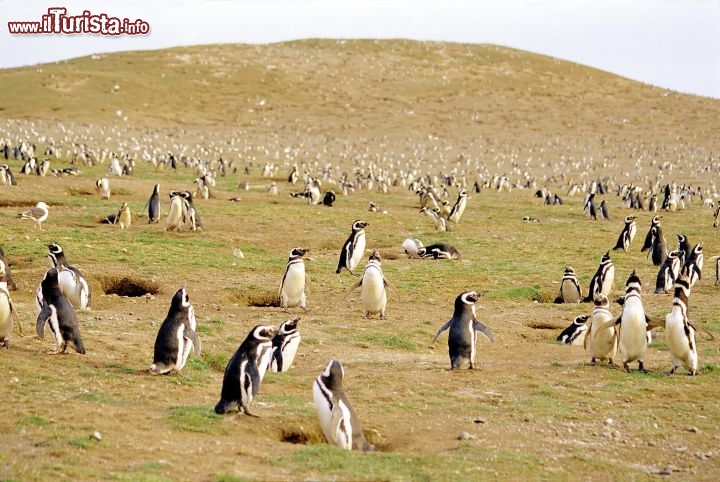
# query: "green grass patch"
192,418
386,341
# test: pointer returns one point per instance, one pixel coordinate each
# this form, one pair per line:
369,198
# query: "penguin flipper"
608,324
191,335
355,285
653,323
308,283
477,326
42,319
442,328
703,329
587,336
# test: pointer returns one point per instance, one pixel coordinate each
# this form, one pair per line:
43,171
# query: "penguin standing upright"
459,207
284,346
601,341
576,332
570,291
679,332
6,309
632,326
683,247
373,292
668,272
354,248
655,242
339,422
463,325
71,281
604,211
153,205
627,234
11,286
124,216
245,370
292,286
103,187
176,337
693,264
59,314
603,278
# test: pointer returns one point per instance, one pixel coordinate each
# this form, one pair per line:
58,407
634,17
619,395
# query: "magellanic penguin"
284,346
680,334
177,336
459,207
463,326
655,242
245,370
436,217
601,340
411,247
59,314
177,213
38,214
6,309
668,272
339,422
373,287
153,205
570,291
102,186
602,280
292,286
576,332
627,234
354,248
71,281
11,286
683,247
693,264
438,251
632,326
604,211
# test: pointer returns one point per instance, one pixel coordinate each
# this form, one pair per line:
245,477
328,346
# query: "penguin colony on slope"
267,348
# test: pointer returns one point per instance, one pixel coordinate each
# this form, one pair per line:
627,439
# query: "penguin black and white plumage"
284,346
632,326
683,247
245,370
575,333
292,286
459,207
11,286
463,327
102,186
38,214
177,336
339,422
354,248
373,287
328,199
153,205
658,245
570,291
601,339
192,218
650,234
693,264
680,334
7,314
59,314
668,272
124,216
604,211
438,251
436,217
627,234
603,278
589,205
71,281
411,246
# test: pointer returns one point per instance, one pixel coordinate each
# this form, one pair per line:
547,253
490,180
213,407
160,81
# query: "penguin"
354,248
192,218
603,278
70,280
668,272
153,205
655,242
373,287
632,326
11,286
102,186
683,247
463,325
284,346
680,334
601,339
694,264
435,216
292,286
570,291
124,216
339,422
649,236
273,189
438,251
176,337
38,214
627,234
411,246
328,199
6,309
177,213
245,370
59,314
575,333
459,207
604,211
589,205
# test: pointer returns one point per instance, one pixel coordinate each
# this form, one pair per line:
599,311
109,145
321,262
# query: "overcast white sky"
668,43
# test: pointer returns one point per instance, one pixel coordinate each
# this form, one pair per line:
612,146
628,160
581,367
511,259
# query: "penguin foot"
626,367
641,367
5,345
248,412
692,373
382,316
593,362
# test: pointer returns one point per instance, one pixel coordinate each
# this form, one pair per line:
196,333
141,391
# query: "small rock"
479,420
693,430
96,435
609,421
14,380
466,436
